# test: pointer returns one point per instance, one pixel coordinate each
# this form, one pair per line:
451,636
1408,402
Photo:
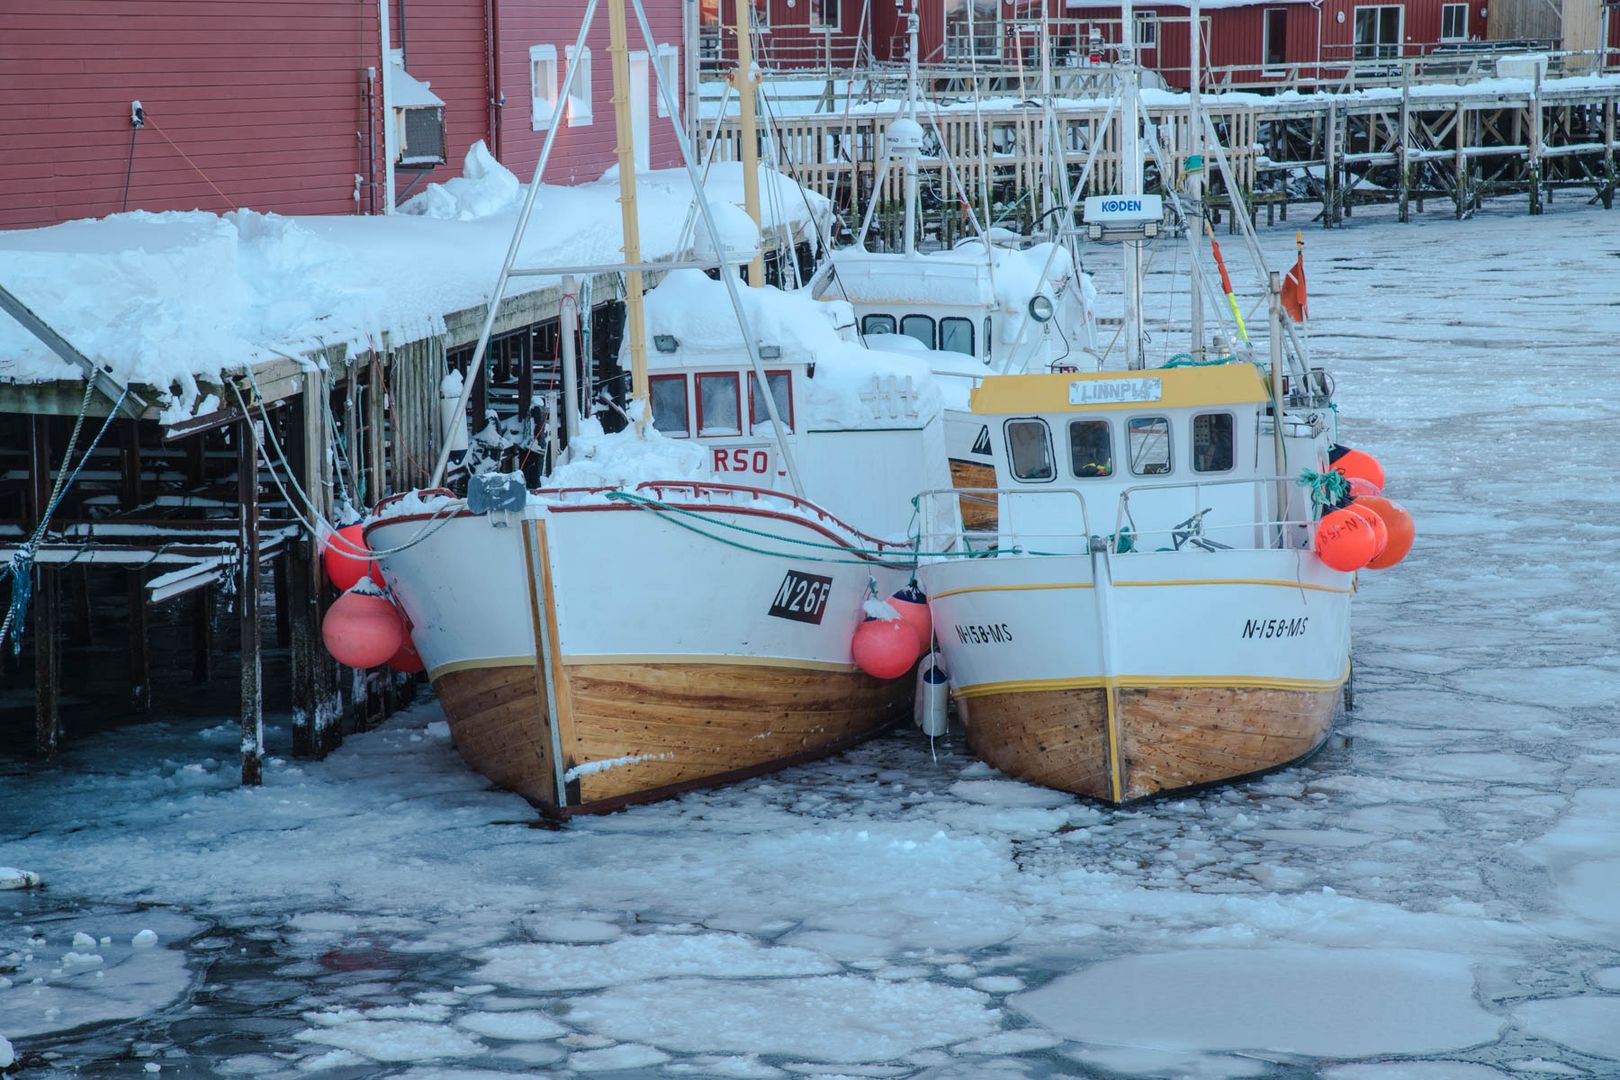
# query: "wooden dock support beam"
317,710
247,466
138,664
47,656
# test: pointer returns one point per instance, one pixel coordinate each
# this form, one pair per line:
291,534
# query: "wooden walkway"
1326,152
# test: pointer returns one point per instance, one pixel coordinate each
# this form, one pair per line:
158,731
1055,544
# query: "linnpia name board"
1114,391
1123,209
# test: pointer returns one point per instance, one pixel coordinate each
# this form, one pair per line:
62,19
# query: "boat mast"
746,82
1195,178
911,115
635,328
1130,150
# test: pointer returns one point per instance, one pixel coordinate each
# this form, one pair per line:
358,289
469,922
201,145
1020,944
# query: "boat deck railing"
1027,522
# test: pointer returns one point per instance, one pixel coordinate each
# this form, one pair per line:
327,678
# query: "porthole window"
719,405
1029,450
1212,437
1091,449
669,405
920,327
1149,440
877,324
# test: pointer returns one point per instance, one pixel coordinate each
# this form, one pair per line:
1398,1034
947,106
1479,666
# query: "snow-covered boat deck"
1432,897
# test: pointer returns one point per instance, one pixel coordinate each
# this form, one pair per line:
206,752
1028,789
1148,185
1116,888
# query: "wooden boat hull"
671,727
588,657
1159,740
1124,676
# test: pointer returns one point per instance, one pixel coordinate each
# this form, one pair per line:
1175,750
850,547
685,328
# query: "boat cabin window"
877,324
956,335
1029,449
920,327
1149,438
669,405
1091,448
781,393
1212,442
719,405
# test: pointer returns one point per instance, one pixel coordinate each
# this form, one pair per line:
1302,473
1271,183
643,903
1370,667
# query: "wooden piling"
247,466
138,656
47,658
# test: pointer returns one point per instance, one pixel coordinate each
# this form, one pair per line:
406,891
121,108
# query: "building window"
877,324
824,14
759,16
920,327
579,97
1378,33
669,71
1149,439
1147,30
669,405
719,405
709,31
972,29
1212,442
1454,22
542,85
1091,449
1029,450
1275,46
956,335
781,385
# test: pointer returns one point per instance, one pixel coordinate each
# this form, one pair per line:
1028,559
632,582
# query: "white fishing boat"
676,606
1150,611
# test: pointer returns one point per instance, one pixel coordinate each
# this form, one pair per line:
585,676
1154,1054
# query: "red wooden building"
1250,42
280,105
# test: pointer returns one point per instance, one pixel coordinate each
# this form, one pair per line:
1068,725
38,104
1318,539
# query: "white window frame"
542,85
759,16
1269,70
669,69
1149,21
1444,8
1399,44
833,27
579,97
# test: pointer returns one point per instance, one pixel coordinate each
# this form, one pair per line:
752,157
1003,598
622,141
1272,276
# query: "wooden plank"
247,464
1057,738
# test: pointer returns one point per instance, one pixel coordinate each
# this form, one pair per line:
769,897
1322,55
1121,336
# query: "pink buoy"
406,661
347,559
885,648
362,628
1360,486
912,607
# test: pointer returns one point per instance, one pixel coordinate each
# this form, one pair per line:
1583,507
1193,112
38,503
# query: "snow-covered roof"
171,298
960,277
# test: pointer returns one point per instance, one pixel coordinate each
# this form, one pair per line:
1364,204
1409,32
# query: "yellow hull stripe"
707,658
1279,583
1150,682
476,665
1009,588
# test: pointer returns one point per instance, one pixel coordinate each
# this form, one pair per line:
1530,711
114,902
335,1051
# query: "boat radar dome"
905,136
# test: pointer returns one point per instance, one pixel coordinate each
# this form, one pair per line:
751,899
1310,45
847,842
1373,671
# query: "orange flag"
1293,288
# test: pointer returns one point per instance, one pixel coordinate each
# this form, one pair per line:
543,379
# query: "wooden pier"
1324,153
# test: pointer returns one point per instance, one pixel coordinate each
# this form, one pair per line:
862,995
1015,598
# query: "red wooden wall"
263,103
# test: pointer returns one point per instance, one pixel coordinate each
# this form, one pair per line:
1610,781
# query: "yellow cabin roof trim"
1166,388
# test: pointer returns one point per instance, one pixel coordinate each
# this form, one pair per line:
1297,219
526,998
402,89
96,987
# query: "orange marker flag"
1293,288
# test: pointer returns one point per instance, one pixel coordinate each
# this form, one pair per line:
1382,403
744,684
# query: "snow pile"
167,299
7,1055
627,458
484,188
13,878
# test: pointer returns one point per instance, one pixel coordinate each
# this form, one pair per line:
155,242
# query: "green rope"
1327,489
1184,360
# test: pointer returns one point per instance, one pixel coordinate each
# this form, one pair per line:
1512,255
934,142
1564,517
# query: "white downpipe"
1195,180
390,131
567,327
1130,150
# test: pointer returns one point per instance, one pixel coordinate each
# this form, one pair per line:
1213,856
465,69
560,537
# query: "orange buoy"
1380,530
406,660
913,608
1357,463
1360,486
362,628
1401,530
1345,541
347,559
885,648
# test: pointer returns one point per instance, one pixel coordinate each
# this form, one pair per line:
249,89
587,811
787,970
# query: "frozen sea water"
1431,898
